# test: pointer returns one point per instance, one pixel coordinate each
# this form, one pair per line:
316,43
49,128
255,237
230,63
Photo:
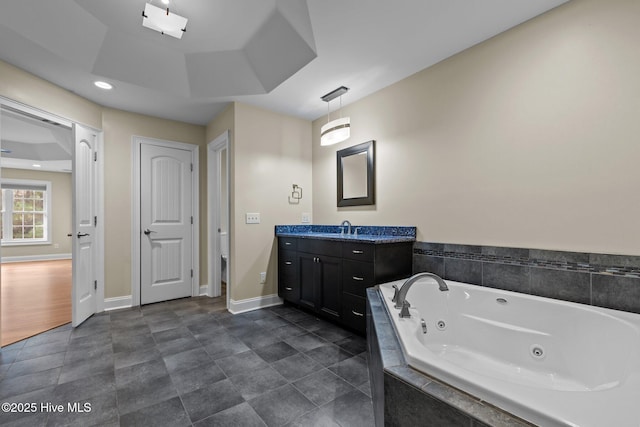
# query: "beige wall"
527,140
119,126
269,152
33,91
60,213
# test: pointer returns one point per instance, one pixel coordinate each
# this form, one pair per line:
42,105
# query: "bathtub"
550,362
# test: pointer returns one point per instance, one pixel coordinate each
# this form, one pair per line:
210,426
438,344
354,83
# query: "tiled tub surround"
405,397
609,281
366,233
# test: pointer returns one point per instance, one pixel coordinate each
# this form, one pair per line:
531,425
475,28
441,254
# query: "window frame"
7,216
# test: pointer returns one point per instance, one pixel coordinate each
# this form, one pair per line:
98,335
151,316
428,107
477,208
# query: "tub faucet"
399,297
348,224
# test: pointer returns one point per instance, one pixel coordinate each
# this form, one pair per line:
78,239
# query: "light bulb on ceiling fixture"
103,85
337,130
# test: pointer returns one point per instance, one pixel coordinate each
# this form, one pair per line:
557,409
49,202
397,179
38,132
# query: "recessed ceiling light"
103,85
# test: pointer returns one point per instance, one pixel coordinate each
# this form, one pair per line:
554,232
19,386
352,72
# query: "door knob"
147,231
82,234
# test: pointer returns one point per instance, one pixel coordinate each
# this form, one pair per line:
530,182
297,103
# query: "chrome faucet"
348,224
399,296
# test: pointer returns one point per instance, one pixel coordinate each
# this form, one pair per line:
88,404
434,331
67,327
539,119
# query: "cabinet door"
308,266
330,285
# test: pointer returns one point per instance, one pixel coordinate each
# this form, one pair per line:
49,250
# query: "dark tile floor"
189,362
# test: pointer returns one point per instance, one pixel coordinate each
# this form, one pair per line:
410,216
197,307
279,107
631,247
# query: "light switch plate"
306,218
252,218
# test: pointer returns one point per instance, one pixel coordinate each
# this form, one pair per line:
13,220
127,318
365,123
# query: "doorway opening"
219,235
38,279
165,241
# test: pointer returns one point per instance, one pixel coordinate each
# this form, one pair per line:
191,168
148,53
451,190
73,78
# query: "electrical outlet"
56,246
306,218
252,218
263,277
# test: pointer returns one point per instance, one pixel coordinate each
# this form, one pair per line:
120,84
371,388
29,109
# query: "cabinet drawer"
357,276
320,247
359,251
287,265
353,312
288,243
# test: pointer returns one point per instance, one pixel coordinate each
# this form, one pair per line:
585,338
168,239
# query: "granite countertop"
366,233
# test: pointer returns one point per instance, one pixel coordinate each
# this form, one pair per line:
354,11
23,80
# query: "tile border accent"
604,280
617,265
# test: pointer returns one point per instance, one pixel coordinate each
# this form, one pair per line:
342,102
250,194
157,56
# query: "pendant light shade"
336,130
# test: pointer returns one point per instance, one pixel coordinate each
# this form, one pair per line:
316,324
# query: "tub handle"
359,279
356,313
395,293
404,311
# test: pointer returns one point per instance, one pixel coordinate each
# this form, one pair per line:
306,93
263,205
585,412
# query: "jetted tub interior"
550,362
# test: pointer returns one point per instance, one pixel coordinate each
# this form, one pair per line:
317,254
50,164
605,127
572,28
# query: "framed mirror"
356,175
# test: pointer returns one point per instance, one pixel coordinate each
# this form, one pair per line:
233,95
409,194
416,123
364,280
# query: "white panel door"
166,223
84,217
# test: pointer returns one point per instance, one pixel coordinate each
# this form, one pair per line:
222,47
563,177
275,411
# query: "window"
25,207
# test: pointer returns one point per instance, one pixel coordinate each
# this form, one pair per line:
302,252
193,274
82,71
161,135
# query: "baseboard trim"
204,289
28,258
250,304
116,303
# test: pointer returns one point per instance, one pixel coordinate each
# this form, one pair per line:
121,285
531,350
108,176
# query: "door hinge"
95,221
95,285
191,167
192,272
95,156
191,220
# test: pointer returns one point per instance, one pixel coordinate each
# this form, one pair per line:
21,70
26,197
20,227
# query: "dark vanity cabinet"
329,277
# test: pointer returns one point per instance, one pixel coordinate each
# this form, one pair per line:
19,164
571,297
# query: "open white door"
166,222
84,224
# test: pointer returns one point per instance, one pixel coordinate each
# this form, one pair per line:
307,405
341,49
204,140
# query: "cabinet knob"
357,314
288,289
287,243
359,279
357,252
287,263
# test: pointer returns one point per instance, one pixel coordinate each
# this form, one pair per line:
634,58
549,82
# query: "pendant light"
337,130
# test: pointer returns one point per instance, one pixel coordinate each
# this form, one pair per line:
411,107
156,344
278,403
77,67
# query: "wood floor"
36,296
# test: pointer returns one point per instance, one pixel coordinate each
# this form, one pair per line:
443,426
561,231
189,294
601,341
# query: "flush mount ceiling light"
339,129
163,21
103,85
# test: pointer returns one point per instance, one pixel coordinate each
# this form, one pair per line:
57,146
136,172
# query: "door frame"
136,231
214,196
99,260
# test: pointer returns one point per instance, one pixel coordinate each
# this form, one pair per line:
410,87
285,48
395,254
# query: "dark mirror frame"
369,199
